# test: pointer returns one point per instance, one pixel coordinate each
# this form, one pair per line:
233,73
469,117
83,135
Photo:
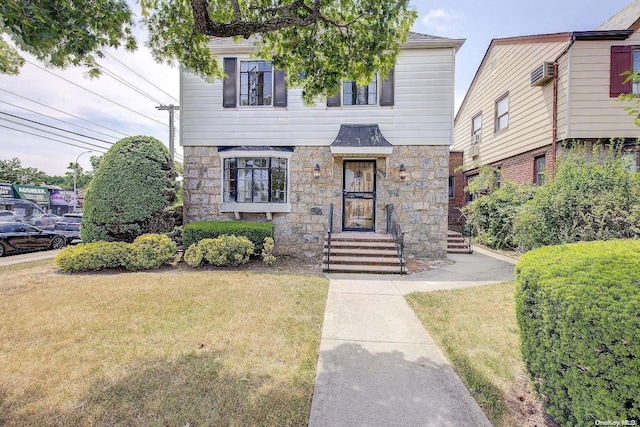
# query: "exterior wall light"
403,172
316,171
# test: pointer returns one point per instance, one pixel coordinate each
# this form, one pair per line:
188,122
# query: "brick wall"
456,159
520,168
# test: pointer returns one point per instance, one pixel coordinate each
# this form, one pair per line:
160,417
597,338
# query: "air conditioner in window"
474,150
475,138
542,74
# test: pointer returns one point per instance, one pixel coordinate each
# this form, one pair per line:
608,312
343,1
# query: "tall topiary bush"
130,191
578,311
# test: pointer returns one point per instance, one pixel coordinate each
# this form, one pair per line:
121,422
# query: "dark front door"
359,195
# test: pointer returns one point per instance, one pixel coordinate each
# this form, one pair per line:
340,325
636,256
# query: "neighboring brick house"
534,94
254,151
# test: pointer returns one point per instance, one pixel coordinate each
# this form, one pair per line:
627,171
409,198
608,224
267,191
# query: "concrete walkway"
378,366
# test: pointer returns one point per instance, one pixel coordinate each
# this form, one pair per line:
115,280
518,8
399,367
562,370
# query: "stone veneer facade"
421,200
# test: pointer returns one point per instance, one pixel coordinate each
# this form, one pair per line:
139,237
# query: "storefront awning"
360,140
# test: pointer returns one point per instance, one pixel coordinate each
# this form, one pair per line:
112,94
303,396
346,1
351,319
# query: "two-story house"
532,95
254,151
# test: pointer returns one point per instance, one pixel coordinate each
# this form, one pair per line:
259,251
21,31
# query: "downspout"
554,120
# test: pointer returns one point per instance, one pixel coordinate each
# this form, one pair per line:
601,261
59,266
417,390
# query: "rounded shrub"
92,256
130,192
578,309
150,251
227,250
194,256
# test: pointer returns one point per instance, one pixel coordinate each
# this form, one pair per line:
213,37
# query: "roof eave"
433,44
602,35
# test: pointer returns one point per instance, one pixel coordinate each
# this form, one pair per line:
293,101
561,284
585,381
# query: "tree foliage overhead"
318,42
129,192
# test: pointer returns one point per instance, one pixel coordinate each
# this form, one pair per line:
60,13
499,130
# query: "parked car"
19,237
69,226
9,216
45,221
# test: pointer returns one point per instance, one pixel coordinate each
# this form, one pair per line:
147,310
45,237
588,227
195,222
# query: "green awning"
38,195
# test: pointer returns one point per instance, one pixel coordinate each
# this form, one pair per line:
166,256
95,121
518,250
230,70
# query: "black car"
69,226
19,237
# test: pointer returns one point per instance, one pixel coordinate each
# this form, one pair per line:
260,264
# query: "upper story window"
502,112
255,180
636,68
375,93
540,168
256,82
476,128
352,94
252,83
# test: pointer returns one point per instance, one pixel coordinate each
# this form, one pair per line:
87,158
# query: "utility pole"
171,108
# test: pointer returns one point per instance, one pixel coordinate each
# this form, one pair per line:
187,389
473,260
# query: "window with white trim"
476,128
502,112
635,87
255,180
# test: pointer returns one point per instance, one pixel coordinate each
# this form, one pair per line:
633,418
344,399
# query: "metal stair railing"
329,230
459,223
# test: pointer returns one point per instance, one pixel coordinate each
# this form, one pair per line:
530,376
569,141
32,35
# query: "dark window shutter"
334,101
279,89
620,62
229,91
387,89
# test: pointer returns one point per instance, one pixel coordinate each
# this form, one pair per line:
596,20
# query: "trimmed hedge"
254,231
146,252
578,309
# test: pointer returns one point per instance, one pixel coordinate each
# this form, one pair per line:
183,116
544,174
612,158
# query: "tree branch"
236,10
289,18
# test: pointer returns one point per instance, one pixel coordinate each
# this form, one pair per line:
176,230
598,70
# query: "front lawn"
169,347
476,329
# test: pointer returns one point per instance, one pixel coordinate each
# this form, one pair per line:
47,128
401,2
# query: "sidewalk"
378,366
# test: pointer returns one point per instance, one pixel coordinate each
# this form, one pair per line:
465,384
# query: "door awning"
360,140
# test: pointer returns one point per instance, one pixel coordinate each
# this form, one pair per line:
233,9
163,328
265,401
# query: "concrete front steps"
355,252
456,244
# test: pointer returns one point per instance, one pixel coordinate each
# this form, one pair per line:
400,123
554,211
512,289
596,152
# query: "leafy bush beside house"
256,232
593,196
577,308
130,191
492,216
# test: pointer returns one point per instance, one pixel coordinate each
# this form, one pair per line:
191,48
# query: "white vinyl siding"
422,114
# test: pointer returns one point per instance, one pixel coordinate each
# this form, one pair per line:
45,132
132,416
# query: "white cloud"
439,20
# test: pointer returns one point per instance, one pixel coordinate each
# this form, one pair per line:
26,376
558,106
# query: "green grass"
161,348
476,329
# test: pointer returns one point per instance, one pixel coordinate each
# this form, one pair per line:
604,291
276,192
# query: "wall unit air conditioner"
542,74
475,138
474,150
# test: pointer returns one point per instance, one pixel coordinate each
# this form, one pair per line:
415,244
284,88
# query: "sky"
123,101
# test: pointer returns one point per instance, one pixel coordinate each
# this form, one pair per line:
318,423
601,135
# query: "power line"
124,82
59,120
97,94
143,78
56,128
54,134
45,137
64,112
